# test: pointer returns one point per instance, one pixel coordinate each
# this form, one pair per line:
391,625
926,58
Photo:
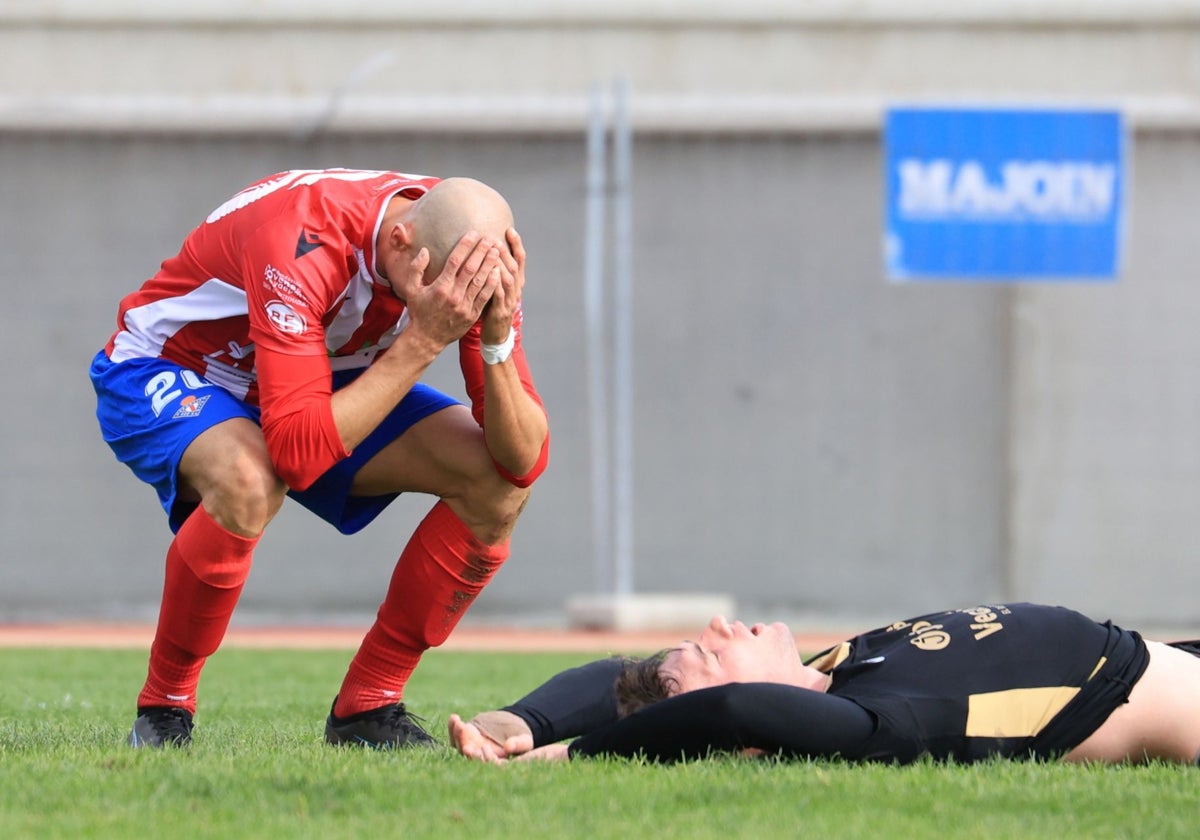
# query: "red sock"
206,568
443,567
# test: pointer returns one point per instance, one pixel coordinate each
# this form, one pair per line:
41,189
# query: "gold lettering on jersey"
926,636
987,620
986,630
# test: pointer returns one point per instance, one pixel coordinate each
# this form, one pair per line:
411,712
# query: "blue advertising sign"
1004,194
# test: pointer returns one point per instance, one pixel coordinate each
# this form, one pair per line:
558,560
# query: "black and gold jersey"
1003,680
987,680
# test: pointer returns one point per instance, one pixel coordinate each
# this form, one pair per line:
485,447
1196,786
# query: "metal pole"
623,337
597,356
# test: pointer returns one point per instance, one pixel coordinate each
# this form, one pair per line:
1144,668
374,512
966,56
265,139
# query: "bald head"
454,206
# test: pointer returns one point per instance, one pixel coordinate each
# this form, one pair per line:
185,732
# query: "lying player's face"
729,653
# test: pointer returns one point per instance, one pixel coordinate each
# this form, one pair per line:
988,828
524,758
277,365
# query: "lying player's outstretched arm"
769,717
569,704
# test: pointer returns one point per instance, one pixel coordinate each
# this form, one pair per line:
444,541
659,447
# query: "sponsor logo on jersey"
306,244
987,620
925,635
191,406
928,636
283,285
285,319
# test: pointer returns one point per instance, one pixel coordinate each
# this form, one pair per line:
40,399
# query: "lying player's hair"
642,682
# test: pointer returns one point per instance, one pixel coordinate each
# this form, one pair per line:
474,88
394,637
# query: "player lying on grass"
1010,681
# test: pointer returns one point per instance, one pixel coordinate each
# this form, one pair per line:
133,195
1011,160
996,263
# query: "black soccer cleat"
161,726
386,728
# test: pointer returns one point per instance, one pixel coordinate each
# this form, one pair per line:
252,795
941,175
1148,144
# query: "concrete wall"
280,65
808,438
1105,403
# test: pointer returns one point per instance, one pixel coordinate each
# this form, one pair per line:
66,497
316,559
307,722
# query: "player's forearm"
571,703
361,406
514,424
771,717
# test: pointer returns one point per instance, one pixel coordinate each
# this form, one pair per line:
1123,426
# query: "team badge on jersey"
285,319
190,406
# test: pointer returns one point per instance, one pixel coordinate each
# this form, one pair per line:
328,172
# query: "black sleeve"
779,719
571,703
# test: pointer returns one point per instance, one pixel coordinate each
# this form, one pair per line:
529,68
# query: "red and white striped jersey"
282,276
287,264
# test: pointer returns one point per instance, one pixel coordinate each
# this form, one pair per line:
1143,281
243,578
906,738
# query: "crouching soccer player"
1011,681
280,353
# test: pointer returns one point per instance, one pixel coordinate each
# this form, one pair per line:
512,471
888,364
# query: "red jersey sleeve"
471,363
287,293
297,416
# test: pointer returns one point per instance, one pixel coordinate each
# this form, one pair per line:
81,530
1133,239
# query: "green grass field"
258,768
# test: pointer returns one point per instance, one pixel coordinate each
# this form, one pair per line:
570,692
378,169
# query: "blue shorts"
150,410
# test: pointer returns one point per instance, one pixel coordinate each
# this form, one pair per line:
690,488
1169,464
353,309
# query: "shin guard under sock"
206,568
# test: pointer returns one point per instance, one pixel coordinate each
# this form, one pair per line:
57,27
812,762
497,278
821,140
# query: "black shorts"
1125,660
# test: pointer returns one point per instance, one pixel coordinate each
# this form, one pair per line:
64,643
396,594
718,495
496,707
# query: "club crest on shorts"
190,406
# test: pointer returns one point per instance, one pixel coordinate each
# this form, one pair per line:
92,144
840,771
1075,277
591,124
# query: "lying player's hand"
490,737
473,744
550,752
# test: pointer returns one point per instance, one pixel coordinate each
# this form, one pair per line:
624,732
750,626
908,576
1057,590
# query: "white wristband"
494,354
